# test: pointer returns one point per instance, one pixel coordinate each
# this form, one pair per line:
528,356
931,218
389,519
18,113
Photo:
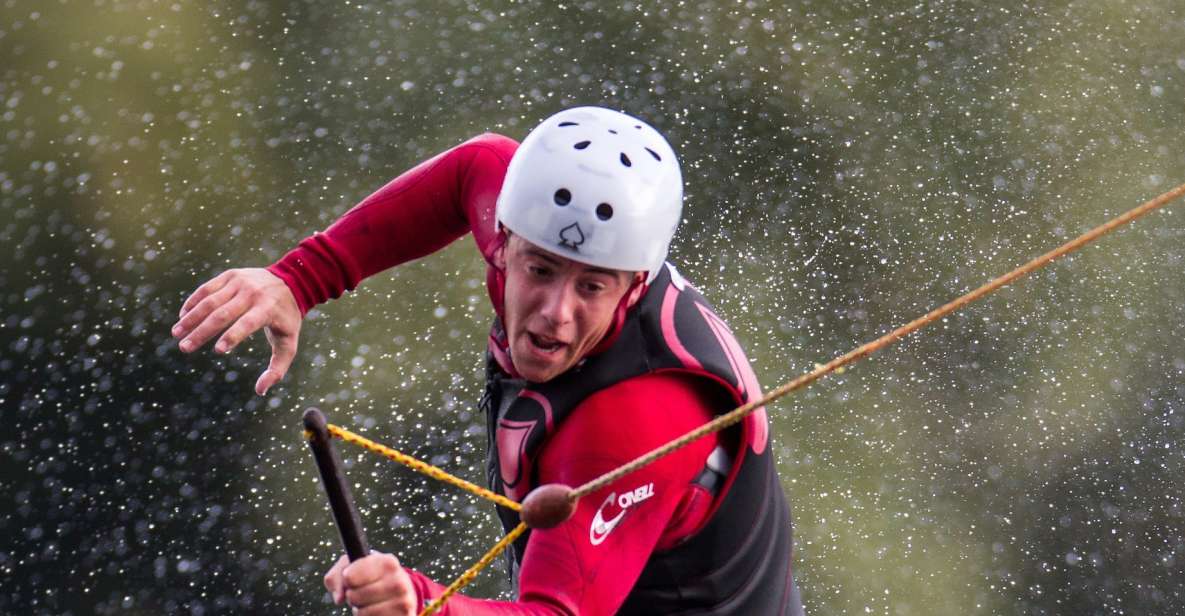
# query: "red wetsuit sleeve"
417,213
589,564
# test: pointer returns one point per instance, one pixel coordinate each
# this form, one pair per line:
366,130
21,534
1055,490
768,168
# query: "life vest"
740,561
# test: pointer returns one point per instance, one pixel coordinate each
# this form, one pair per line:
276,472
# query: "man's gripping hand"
238,303
375,585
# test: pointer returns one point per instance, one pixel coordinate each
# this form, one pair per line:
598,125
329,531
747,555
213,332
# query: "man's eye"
538,271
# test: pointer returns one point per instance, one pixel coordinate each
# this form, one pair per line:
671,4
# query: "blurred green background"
849,166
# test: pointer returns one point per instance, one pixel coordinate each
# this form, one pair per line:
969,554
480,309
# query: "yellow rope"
421,467
472,572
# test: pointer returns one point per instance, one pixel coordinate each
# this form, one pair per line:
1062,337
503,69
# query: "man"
599,352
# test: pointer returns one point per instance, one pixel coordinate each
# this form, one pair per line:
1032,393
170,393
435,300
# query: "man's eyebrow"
601,270
539,253
543,254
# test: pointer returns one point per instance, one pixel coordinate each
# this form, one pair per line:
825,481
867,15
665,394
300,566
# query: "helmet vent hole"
612,132
568,124
604,211
625,160
654,154
582,145
563,197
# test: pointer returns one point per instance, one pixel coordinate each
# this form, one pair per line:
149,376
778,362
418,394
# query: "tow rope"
549,505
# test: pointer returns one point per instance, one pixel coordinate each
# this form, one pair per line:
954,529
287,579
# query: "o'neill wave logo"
601,527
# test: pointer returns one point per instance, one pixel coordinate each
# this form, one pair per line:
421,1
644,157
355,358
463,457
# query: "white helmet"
596,186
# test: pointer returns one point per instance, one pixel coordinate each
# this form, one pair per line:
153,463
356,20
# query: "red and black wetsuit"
601,561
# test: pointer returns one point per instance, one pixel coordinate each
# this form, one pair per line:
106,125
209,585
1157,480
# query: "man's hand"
241,302
374,586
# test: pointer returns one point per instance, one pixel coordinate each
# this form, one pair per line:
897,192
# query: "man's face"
556,309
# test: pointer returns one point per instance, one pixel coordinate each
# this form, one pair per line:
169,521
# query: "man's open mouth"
544,343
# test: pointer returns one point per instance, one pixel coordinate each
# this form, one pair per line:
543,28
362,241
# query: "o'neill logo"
601,527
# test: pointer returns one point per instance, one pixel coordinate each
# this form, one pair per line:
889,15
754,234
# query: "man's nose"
559,303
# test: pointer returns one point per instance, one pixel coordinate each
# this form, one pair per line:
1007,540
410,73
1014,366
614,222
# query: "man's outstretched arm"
418,213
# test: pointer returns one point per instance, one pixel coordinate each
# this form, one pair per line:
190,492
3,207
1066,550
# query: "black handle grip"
336,488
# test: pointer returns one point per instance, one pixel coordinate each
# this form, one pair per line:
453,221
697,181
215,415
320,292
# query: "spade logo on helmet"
571,237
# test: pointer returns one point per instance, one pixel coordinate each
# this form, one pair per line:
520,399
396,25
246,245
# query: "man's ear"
500,252
637,288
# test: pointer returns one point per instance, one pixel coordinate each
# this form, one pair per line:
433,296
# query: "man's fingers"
369,569
383,590
334,582
200,311
283,351
214,284
235,304
265,381
251,322
218,319
378,580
